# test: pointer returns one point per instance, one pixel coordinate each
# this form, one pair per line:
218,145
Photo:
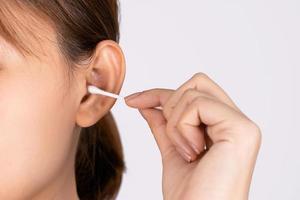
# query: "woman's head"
49,52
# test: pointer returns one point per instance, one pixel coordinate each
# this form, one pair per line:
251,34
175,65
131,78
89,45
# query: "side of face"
37,120
41,112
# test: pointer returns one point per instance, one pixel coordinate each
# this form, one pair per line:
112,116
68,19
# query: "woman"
60,142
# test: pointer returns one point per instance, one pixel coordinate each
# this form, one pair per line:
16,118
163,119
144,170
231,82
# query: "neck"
63,186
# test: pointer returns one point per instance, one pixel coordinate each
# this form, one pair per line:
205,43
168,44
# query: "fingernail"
186,156
132,96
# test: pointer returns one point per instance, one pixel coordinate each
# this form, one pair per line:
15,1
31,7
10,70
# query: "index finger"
151,98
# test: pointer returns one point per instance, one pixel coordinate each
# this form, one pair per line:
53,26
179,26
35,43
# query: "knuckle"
200,76
200,100
189,92
197,97
180,126
167,111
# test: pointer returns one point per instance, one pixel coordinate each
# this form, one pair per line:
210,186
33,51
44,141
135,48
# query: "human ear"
106,71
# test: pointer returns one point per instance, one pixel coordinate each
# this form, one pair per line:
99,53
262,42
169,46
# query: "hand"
208,146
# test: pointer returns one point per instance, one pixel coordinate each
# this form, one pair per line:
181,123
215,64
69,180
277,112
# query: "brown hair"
80,25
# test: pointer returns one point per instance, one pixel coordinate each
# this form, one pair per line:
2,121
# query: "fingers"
202,83
195,136
168,98
216,115
196,110
225,125
158,97
183,146
157,124
150,98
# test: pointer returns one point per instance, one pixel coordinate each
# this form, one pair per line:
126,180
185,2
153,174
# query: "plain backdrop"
250,48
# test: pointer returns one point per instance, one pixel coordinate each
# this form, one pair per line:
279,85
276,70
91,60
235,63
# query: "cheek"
35,129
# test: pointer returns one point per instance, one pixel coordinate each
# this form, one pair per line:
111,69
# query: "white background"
250,48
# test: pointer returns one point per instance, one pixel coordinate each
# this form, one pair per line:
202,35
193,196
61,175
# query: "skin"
42,113
199,113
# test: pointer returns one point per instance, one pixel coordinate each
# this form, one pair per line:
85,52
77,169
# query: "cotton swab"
95,90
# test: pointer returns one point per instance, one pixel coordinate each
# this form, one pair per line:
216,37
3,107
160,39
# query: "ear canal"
85,98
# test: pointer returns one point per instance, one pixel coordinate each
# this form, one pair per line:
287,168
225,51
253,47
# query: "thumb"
157,124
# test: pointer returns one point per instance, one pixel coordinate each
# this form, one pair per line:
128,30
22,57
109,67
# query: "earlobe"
106,71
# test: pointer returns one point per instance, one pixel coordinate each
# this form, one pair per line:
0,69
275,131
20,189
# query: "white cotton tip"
95,90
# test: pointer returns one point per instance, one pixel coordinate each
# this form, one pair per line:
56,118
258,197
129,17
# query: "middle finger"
196,137
200,82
